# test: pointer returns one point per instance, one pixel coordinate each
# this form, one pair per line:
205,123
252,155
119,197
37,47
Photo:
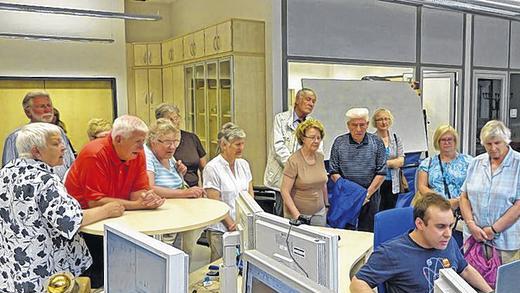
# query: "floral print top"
39,222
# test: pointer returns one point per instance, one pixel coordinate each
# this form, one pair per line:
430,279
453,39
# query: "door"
438,88
489,92
514,108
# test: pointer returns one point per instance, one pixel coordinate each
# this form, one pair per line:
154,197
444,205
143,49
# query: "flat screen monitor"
135,262
246,208
305,250
507,277
263,275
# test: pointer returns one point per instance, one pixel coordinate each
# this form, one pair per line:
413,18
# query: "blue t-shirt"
407,267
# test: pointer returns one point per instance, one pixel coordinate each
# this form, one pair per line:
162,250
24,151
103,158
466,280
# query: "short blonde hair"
161,127
442,130
495,129
380,111
96,126
307,124
357,113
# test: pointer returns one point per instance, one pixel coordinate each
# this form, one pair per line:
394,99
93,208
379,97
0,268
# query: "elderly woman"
389,190
39,220
98,128
444,173
304,188
225,176
490,199
189,150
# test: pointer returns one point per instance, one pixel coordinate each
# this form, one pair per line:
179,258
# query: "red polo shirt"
98,172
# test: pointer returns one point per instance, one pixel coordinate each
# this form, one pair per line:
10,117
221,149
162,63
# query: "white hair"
126,125
34,135
230,132
356,113
495,129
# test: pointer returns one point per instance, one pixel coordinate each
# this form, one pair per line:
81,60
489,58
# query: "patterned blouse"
454,172
39,222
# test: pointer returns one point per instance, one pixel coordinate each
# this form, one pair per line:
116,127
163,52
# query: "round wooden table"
175,215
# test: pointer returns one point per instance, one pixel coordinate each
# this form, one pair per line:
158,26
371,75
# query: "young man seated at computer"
411,262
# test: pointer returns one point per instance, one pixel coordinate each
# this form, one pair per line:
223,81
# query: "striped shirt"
358,162
492,194
163,177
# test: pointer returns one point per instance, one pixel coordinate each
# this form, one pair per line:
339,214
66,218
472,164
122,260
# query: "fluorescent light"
54,38
76,12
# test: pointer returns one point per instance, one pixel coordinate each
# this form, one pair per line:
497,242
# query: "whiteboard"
335,97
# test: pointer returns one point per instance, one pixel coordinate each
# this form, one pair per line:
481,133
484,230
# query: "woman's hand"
113,209
478,233
489,233
195,192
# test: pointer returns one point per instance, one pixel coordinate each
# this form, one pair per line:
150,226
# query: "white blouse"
217,175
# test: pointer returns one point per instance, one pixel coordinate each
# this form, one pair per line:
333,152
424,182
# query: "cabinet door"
178,91
210,40
167,82
167,52
198,41
142,104
189,91
154,54
187,43
140,55
200,104
155,90
224,39
213,107
177,48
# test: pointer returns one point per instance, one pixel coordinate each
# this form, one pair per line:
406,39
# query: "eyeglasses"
169,143
313,138
386,119
447,140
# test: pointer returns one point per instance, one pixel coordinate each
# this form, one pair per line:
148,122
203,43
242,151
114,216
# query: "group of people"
47,194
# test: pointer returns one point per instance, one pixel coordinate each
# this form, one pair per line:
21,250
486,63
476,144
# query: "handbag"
487,266
403,182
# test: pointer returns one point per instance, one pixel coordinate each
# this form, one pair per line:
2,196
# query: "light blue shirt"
163,177
454,172
492,194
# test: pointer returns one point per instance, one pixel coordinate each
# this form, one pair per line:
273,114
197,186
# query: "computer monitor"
304,250
263,275
450,282
135,262
507,276
246,208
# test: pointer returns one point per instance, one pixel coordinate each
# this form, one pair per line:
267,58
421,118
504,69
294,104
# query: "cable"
294,223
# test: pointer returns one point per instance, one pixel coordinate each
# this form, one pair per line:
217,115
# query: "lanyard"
446,189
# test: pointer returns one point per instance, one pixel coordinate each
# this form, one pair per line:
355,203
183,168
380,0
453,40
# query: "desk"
175,215
353,247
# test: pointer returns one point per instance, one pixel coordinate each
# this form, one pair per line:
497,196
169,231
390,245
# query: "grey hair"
164,109
127,124
230,132
162,127
356,113
34,135
27,100
495,129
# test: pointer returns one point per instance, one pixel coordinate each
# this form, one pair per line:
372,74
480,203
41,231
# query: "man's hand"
489,233
113,209
150,200
477,232
181,168
196,192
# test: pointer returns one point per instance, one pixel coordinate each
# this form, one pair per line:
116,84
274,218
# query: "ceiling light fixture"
54,38
75,12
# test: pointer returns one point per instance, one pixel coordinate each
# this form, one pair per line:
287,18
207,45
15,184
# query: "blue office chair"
390,224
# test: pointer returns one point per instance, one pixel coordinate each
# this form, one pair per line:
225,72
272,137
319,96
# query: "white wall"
148,31
66,59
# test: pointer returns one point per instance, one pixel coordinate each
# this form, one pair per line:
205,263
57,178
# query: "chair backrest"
389,224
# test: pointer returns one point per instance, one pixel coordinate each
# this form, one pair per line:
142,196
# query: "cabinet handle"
215,43
146,98
193,49
151,98
149,57
218,42
145,57
171,54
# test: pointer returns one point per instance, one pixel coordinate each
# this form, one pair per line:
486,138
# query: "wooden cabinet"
193,45
172,51
148,93
147,54
173,87
217,39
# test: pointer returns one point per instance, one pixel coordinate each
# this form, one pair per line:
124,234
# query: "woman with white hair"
225,176
39,221
490,199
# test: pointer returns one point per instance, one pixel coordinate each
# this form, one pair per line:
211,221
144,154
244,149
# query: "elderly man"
109,169
360,157
284,138
38,108
411,262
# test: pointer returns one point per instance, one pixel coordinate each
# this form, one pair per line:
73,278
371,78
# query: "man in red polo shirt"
108,169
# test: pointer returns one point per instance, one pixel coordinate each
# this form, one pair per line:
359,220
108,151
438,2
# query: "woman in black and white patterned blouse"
39,221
